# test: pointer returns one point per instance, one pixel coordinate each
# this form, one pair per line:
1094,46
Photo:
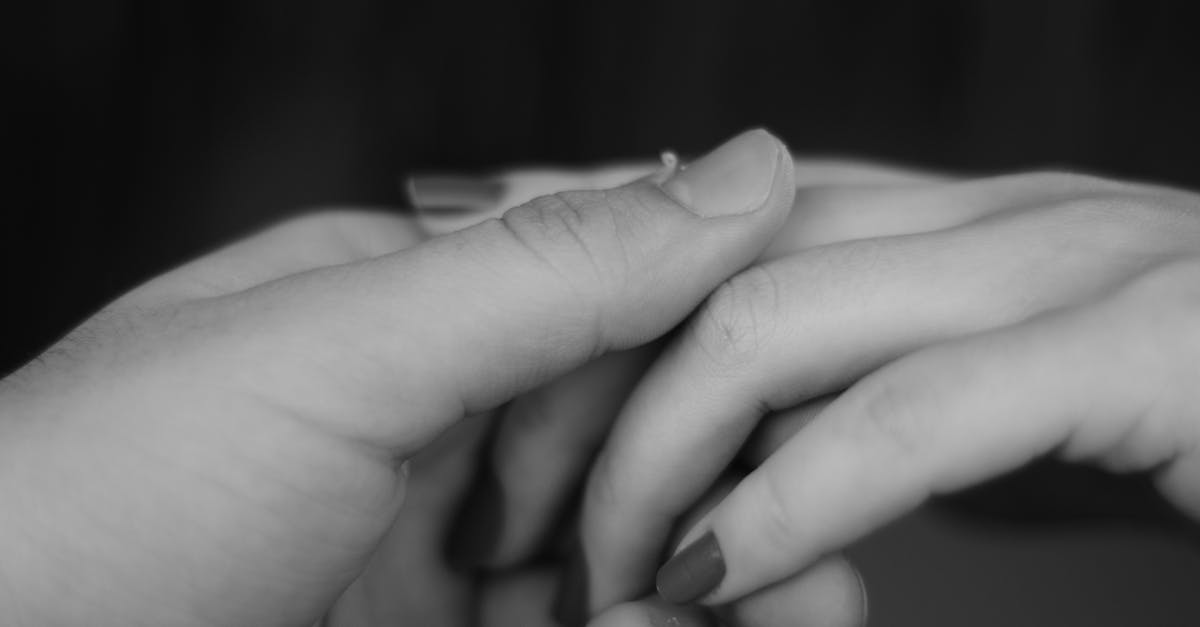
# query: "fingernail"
450,193
571,604
661,613
479,526
735,178
693,572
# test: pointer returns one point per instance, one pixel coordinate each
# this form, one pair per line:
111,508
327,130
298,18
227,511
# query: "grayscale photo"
550,313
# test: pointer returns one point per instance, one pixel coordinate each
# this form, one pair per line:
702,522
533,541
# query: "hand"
544,440
1047,314
226,445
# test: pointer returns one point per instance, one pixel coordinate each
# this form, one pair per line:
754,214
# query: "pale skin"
922,334
275,434
279,433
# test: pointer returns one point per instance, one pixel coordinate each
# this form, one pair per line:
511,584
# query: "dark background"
142,133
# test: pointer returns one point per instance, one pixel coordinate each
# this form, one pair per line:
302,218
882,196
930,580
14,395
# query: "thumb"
464,322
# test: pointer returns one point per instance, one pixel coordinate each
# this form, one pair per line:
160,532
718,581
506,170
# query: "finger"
831,213
1099,383
515,501
464,322
827,594
830,593
789,330
446,204
542,444
814,171
407,581
325,238
535,461
779,427
836,200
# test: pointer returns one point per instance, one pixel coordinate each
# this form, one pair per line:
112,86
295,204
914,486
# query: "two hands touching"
746,365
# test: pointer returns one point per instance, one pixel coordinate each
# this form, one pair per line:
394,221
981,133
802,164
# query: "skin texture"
1056,317
561,424
875,269
232,443
164,480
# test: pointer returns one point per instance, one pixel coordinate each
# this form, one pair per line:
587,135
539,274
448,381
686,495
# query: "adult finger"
447,203
322,238
836,200
807,325
535,461
778,427
1106,383
832,213
464,322
828,594
523,487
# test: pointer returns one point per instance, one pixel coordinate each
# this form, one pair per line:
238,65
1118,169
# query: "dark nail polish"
571,604
477,530
449,193
693,572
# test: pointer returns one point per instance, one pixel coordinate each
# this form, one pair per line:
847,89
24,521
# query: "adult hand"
1049,314
544,440
226,445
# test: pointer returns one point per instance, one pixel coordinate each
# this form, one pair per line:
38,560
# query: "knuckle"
575,233
738,318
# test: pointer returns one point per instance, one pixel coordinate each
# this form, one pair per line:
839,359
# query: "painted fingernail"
693,572
735,178
480,524
451,193
660,613
571,604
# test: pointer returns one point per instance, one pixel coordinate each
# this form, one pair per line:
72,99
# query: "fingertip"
744,175
693,572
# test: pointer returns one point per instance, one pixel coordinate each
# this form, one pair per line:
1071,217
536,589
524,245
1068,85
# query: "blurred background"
144,133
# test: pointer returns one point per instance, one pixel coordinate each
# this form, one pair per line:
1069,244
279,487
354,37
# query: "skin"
905,335
560,425
1051,314
163,480
276,432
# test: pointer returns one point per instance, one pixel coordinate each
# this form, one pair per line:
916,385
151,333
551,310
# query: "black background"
140,134
144,133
